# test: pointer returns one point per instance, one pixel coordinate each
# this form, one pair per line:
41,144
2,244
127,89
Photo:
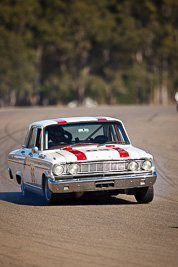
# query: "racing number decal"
33,174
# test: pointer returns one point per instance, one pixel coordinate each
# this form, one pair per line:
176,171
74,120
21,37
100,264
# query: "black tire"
144,195
48,194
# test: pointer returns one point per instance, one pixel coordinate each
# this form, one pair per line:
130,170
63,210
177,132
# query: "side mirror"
35,149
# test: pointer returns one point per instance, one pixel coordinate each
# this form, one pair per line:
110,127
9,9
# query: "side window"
35,138
26,140
32,138
38,139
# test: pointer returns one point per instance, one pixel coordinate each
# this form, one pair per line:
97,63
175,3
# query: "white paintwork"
33,165
94,153
45,123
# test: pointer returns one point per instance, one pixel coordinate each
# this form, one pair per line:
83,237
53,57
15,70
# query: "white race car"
81,155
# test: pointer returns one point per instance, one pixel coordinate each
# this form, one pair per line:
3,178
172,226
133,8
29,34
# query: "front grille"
98,167
102,167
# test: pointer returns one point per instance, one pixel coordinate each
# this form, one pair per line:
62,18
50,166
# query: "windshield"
56,136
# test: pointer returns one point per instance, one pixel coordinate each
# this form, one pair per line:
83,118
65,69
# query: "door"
31,173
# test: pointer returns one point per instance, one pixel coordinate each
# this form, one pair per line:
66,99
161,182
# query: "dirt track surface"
99,231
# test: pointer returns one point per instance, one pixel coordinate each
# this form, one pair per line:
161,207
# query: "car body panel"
31,167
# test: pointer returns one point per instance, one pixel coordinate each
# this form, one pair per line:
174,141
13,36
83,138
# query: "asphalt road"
94,231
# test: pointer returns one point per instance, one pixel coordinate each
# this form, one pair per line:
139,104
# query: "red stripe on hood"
80,155
122,152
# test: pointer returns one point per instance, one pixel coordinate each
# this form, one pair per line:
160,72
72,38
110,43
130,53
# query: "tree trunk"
164,83
35,98
81,95
161,91
164,93
156,96
12,98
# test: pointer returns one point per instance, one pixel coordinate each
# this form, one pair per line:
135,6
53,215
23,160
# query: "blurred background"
90,52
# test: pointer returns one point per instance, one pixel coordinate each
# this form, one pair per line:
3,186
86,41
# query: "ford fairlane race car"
82,155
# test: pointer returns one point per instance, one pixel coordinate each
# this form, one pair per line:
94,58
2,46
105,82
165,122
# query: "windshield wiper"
112,142
76,144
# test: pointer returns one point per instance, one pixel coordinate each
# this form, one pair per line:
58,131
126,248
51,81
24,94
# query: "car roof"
45,123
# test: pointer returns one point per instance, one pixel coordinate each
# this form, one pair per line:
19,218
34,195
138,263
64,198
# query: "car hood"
97,153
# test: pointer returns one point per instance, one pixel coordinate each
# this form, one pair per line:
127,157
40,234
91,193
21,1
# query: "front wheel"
49,195
144,195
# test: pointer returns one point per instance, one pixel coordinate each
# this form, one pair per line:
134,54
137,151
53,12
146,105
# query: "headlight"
73,168
58,169
133,166
147,165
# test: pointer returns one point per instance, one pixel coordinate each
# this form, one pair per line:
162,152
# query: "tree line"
113,51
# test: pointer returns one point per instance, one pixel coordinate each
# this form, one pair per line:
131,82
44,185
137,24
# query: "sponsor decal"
101,119
80,155
32,170
122,152
60,121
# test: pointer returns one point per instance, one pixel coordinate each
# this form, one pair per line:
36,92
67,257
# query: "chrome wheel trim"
48,192
22,188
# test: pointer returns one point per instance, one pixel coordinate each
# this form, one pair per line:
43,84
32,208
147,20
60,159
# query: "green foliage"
17,71
57,51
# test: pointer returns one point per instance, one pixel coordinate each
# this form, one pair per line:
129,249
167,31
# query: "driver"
59,137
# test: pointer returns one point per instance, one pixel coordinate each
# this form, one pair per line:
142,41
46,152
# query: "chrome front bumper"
102,183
